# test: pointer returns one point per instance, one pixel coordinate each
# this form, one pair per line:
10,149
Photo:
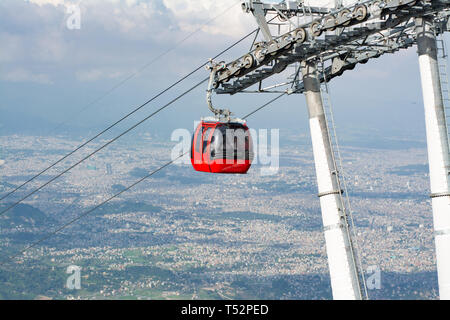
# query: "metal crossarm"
381,26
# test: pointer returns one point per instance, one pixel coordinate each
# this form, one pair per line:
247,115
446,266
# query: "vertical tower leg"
438,150
341,260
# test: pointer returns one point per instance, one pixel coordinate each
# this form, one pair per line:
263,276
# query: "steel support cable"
122,119
62,227
265,105
145,66
102,147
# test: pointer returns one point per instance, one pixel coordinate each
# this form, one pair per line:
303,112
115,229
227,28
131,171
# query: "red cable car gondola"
222,147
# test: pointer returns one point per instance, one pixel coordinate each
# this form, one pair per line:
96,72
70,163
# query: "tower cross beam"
361,27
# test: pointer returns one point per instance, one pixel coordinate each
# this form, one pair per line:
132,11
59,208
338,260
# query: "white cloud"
46,2
192,14
115,36
23,75
134,16
98,74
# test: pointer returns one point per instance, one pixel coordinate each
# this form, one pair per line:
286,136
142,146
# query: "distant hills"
23,215
13,122
126,207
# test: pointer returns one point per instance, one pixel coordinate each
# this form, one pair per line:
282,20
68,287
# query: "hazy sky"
52,72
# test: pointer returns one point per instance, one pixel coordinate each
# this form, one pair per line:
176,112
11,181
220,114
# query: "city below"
183,234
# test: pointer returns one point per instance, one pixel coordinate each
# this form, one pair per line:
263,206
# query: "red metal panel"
201,161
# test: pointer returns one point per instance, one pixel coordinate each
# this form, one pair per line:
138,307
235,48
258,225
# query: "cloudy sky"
52,71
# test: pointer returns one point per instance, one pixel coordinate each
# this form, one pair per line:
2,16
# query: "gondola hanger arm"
212,84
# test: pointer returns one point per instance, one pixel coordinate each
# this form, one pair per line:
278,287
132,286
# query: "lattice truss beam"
337,38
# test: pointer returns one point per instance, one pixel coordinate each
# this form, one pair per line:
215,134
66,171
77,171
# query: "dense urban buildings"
187,235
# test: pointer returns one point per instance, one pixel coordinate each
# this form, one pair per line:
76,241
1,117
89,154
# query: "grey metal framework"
322,42
340,38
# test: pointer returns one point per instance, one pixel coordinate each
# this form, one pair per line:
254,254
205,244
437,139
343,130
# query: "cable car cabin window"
213,143
192,148
205,139
198,140
231,142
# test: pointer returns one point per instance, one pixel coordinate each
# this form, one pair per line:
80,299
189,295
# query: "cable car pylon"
344,198
438,148
343,36
344,276
443,76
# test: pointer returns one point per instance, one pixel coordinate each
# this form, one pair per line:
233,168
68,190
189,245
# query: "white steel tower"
341,260
438,149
